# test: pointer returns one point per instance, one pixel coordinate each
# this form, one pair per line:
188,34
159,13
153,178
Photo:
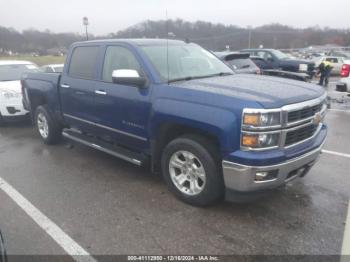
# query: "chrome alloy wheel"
43,125
187,173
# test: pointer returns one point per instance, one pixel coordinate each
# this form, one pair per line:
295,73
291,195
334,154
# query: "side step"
117,151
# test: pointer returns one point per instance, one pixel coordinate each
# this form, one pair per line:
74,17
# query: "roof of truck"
257,49
141,41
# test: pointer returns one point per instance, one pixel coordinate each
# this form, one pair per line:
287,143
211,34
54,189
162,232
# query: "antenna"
167,44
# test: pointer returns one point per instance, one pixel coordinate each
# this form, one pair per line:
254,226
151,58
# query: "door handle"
65,86
100,92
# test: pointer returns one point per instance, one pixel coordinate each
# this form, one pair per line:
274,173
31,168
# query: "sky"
108,16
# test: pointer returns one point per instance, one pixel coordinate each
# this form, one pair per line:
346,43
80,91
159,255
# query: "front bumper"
242,178
343,85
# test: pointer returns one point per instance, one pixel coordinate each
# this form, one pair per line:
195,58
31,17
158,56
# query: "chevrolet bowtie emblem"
317,119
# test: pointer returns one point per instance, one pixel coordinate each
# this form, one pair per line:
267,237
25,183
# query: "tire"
185,179
49,130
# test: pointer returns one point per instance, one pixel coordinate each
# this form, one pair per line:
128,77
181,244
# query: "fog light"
12,110
262,176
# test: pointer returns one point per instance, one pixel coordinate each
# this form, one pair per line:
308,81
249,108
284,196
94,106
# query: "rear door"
77,87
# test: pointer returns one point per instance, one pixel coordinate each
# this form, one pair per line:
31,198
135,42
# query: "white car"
337,63
344,84
11,107
54,68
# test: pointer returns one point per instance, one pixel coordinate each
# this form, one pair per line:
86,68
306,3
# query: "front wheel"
192,171
49,130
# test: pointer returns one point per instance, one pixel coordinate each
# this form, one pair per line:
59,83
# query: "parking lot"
107,206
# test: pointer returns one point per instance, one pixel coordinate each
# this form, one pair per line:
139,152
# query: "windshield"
187,61
14,72
280,55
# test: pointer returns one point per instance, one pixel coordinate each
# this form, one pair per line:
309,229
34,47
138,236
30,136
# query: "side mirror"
128,77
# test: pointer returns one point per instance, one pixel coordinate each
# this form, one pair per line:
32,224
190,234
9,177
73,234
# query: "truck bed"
41,86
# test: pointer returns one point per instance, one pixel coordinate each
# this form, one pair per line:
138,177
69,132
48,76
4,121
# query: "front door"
123,111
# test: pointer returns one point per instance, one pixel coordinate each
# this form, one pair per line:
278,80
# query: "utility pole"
86,23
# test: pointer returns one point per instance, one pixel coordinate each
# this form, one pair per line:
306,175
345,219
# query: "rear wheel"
192,171
49,130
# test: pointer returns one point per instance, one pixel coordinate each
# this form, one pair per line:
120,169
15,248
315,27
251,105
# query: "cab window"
116,58
83,62
332,60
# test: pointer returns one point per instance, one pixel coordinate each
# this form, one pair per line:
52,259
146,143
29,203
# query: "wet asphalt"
111,207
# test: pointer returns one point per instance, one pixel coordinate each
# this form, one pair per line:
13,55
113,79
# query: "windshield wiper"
188,78
221,74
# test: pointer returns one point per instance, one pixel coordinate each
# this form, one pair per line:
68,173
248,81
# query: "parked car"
281,61
261,63
177,108
337,63
344,84
3,257
54,68
337,53
267,69
11,108
239,62
286,74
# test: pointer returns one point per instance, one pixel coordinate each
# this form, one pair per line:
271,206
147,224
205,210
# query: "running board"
127,155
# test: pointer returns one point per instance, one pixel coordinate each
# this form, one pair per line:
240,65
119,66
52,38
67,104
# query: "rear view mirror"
128,77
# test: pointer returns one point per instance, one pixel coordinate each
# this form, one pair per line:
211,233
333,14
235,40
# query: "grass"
39,60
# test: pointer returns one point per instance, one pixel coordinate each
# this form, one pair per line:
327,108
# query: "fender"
218,122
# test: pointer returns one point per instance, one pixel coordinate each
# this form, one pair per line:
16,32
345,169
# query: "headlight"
262,119
9,95
261,129
260,140
303,67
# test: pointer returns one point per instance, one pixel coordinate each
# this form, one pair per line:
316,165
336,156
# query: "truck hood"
270,92
11,86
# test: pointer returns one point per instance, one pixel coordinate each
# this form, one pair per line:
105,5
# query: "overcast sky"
112,15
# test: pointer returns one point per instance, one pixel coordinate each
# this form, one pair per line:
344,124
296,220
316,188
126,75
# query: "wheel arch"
169,131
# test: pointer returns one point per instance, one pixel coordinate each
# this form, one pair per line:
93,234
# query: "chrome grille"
301,134
311,67
304,113
299,122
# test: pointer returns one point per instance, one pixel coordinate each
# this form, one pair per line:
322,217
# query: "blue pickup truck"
280,61
178,109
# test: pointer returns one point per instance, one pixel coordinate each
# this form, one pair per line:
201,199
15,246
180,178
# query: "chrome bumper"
241,178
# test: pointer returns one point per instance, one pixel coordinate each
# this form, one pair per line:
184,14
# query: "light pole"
86,23
250,37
